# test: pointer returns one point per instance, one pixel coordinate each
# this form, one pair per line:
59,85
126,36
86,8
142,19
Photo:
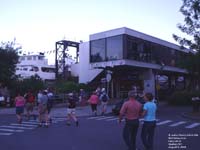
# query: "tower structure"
62,48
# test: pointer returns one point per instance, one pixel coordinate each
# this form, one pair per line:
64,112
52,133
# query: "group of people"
99,96
132,110
29,101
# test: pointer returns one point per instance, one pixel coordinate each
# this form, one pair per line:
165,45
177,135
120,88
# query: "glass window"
46,69
97,51
132,48
22,58
29,58
114,47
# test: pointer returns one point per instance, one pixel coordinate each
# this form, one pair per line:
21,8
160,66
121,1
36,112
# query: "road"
95,133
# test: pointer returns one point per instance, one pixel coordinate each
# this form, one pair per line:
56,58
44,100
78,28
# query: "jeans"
130,133
147,134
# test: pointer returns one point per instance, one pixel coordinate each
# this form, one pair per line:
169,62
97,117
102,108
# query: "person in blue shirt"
148,128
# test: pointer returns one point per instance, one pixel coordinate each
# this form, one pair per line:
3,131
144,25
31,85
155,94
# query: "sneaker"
77,123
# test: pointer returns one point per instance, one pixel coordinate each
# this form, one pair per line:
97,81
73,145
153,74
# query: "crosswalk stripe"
192,125
11,130
23,125
104,118
163,122
95,117
16,127
6,133
33,123
177,124
112,119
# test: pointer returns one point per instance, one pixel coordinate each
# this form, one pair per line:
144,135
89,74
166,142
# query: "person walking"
42,110
71,110
19,104
93,101
104,101
148,128
30,102
131,109
49,103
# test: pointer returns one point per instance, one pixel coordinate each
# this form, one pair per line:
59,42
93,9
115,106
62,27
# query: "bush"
182,97
34,83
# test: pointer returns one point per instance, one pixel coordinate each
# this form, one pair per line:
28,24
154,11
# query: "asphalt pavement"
60,110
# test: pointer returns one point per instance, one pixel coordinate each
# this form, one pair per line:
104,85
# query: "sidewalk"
60,111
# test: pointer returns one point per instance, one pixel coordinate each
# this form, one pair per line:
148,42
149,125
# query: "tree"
191,10
8,61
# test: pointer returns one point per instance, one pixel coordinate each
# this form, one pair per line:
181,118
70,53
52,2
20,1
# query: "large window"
98,50
114,47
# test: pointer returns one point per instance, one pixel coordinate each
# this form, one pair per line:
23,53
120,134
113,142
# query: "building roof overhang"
116,63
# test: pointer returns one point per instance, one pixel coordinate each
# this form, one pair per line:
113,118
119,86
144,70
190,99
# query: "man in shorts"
71,110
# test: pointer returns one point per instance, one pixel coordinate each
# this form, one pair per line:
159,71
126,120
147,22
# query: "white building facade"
121,58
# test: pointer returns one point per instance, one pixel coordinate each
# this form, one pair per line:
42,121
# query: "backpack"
104,98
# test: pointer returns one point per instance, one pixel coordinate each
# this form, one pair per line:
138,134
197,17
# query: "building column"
149,81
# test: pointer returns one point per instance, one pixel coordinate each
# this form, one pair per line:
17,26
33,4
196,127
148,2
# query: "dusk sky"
38,24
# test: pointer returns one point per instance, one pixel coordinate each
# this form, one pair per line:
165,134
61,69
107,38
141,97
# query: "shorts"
19,110
42,108
29,106
71,111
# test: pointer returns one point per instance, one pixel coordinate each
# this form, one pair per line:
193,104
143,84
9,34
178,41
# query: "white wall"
86,73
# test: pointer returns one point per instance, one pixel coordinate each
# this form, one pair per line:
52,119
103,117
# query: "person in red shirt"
30,102
93,101
131,110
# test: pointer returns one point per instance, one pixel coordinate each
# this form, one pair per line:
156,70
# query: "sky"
38,24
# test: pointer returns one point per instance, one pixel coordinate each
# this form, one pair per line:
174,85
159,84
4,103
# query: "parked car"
2,101
117,106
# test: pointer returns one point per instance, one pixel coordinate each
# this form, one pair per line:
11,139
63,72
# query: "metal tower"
61,55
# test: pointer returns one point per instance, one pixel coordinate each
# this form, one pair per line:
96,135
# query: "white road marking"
177,124
163,122
6,133
11,130
23,125
95,117
16,127
33,123
192,125
104,118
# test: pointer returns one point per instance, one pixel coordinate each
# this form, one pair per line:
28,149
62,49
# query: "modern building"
121,58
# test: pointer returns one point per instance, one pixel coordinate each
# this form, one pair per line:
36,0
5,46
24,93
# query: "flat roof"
134,33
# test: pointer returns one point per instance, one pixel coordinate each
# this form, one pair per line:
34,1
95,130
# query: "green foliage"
34,83
64,86
8,61
191,10
183,97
